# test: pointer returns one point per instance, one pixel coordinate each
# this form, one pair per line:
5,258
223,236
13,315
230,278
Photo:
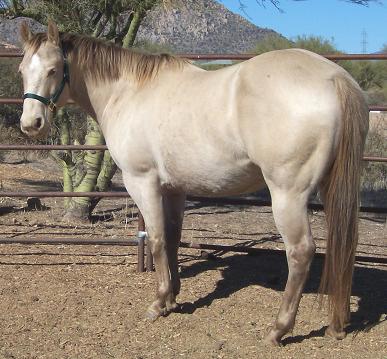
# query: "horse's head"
45,74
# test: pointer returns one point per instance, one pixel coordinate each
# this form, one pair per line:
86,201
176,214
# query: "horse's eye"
51,72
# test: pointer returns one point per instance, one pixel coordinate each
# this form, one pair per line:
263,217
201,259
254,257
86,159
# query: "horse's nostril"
38,123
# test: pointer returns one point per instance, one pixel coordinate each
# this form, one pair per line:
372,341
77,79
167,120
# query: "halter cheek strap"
51,101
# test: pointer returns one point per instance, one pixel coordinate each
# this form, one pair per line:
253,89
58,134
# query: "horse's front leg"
174,212
146,193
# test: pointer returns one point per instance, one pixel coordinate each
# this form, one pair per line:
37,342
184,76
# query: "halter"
50,102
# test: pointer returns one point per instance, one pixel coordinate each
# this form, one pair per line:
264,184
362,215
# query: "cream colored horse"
290,120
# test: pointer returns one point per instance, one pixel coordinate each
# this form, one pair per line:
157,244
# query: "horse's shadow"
240,271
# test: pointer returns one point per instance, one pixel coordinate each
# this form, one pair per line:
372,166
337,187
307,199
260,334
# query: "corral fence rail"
140,240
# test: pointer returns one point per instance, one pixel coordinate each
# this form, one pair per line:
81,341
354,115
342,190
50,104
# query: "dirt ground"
59,301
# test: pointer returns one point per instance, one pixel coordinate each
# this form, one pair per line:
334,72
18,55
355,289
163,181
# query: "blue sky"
332,19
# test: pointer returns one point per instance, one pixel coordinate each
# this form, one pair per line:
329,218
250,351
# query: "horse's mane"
106,61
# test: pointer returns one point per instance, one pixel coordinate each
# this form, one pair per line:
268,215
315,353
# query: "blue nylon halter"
51,101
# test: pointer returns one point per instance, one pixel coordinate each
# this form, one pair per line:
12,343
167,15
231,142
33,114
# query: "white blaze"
34,76
35,62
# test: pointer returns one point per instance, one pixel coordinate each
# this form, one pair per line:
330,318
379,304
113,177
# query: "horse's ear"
53,33
25,32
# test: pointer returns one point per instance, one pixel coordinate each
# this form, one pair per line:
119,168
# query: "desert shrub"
375,173
152,47
10,86
12,135
272,42
316,44
212,66
377,96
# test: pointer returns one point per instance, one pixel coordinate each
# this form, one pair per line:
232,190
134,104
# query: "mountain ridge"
196,26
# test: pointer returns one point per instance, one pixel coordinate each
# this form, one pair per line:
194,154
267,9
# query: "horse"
289,120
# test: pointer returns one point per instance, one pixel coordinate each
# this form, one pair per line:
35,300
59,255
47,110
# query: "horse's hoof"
152,315
272,340
339,335
155,311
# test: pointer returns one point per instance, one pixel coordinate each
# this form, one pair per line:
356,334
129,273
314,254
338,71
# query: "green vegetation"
10,86
375,173
312,43
152,47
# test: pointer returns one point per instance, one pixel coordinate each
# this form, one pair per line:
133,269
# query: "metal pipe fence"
236,57
104,148
140,241
200,246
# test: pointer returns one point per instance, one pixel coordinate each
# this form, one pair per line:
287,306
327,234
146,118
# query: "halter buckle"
51,106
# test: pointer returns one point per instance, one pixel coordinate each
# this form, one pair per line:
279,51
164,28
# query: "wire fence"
140,240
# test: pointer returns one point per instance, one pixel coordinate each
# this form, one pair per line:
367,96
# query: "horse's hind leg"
173,211
290,214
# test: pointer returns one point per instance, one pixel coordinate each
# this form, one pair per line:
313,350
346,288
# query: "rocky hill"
196,26
9,31
201,26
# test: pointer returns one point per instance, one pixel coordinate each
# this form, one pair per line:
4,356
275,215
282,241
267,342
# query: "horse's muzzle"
35,127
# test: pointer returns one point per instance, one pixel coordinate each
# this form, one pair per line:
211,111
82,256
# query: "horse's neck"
94,95
90,94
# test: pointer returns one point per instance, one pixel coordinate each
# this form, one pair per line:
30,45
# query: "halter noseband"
50,102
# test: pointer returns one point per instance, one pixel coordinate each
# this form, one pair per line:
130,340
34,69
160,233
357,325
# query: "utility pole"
364,41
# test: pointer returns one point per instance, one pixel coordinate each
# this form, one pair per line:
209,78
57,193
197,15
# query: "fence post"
149,257
141,234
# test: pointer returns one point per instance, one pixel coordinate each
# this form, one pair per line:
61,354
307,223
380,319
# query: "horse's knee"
157,244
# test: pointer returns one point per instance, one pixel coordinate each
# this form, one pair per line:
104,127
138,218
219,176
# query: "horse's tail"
341,203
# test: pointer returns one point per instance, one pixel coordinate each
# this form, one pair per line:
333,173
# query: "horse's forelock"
35,42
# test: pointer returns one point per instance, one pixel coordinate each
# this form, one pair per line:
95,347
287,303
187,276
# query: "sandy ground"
63,301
